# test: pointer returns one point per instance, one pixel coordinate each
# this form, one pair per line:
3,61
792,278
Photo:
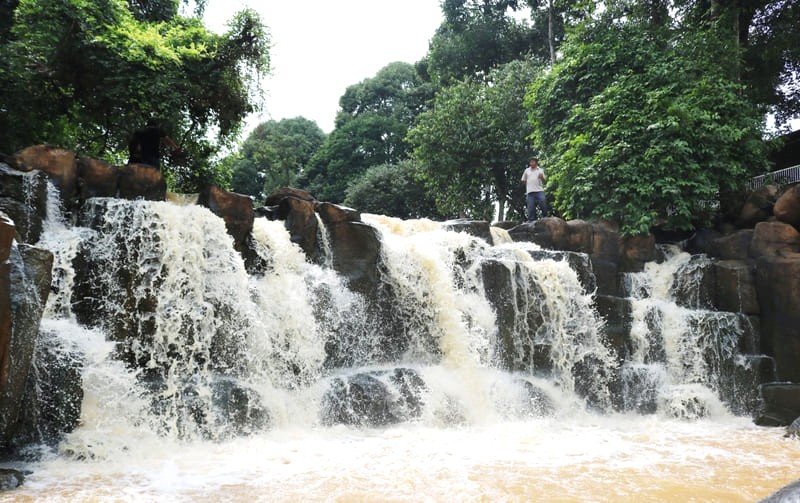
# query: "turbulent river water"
476,433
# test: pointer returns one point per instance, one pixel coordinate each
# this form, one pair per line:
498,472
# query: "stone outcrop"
781,404
61,166
23,197
478,228
758,206
356,246
96,178
366,399
25,275
787,207
774,238
298,211
778,284
235,209
141,181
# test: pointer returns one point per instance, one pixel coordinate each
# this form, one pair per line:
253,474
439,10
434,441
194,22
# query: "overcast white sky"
320,47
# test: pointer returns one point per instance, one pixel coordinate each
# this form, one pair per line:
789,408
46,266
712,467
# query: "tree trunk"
550,37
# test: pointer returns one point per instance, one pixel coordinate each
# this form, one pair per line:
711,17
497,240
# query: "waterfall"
474,368
682,355
210,351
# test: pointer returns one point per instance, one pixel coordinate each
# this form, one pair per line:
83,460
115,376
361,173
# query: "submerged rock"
786,494
10,479
793,430
377,398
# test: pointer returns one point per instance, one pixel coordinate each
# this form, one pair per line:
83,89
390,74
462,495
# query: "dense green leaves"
84,74
477,36
393,190
644,126
274,155
371,126
471,146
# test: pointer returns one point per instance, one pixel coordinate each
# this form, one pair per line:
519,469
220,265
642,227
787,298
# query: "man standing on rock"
533,178
145,145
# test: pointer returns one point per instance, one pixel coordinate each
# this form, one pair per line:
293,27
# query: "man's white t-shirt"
531,179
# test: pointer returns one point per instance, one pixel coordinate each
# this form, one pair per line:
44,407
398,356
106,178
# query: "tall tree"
85,74
765,32
644,124
392,190
478,35
274,155
472,144
370,130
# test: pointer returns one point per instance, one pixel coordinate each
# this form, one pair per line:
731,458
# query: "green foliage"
84,74
477,36
274,155
772,58
370,130
644,125
471,145
392,190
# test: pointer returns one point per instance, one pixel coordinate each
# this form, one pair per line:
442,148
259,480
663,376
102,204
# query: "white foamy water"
607,459
489,422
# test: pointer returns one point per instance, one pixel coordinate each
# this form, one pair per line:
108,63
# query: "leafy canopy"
392,190
472,146
274,155
84,74
644,124
370,130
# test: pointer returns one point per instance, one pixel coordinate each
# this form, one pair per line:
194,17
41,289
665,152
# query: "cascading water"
479,372
682,356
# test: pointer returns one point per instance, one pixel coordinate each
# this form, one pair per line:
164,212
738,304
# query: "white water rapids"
477,437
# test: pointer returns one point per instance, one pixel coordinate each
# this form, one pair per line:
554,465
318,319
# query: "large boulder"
578,262
735,288
356,246
300,219
498,283
781,404
606,241
700,241
376,398
606,253
778,286
54,393
694,284
786,494
758,206
636,250
548,232
25,276
774,238
142,181
96,178
579,236
478,228
235,209
276,197
617,313
23,197
733,246
60,165
787,207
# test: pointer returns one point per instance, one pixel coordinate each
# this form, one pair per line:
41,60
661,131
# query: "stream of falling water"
490,446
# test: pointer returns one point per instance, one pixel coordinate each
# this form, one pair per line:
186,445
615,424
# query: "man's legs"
534,199
541,201
530,202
